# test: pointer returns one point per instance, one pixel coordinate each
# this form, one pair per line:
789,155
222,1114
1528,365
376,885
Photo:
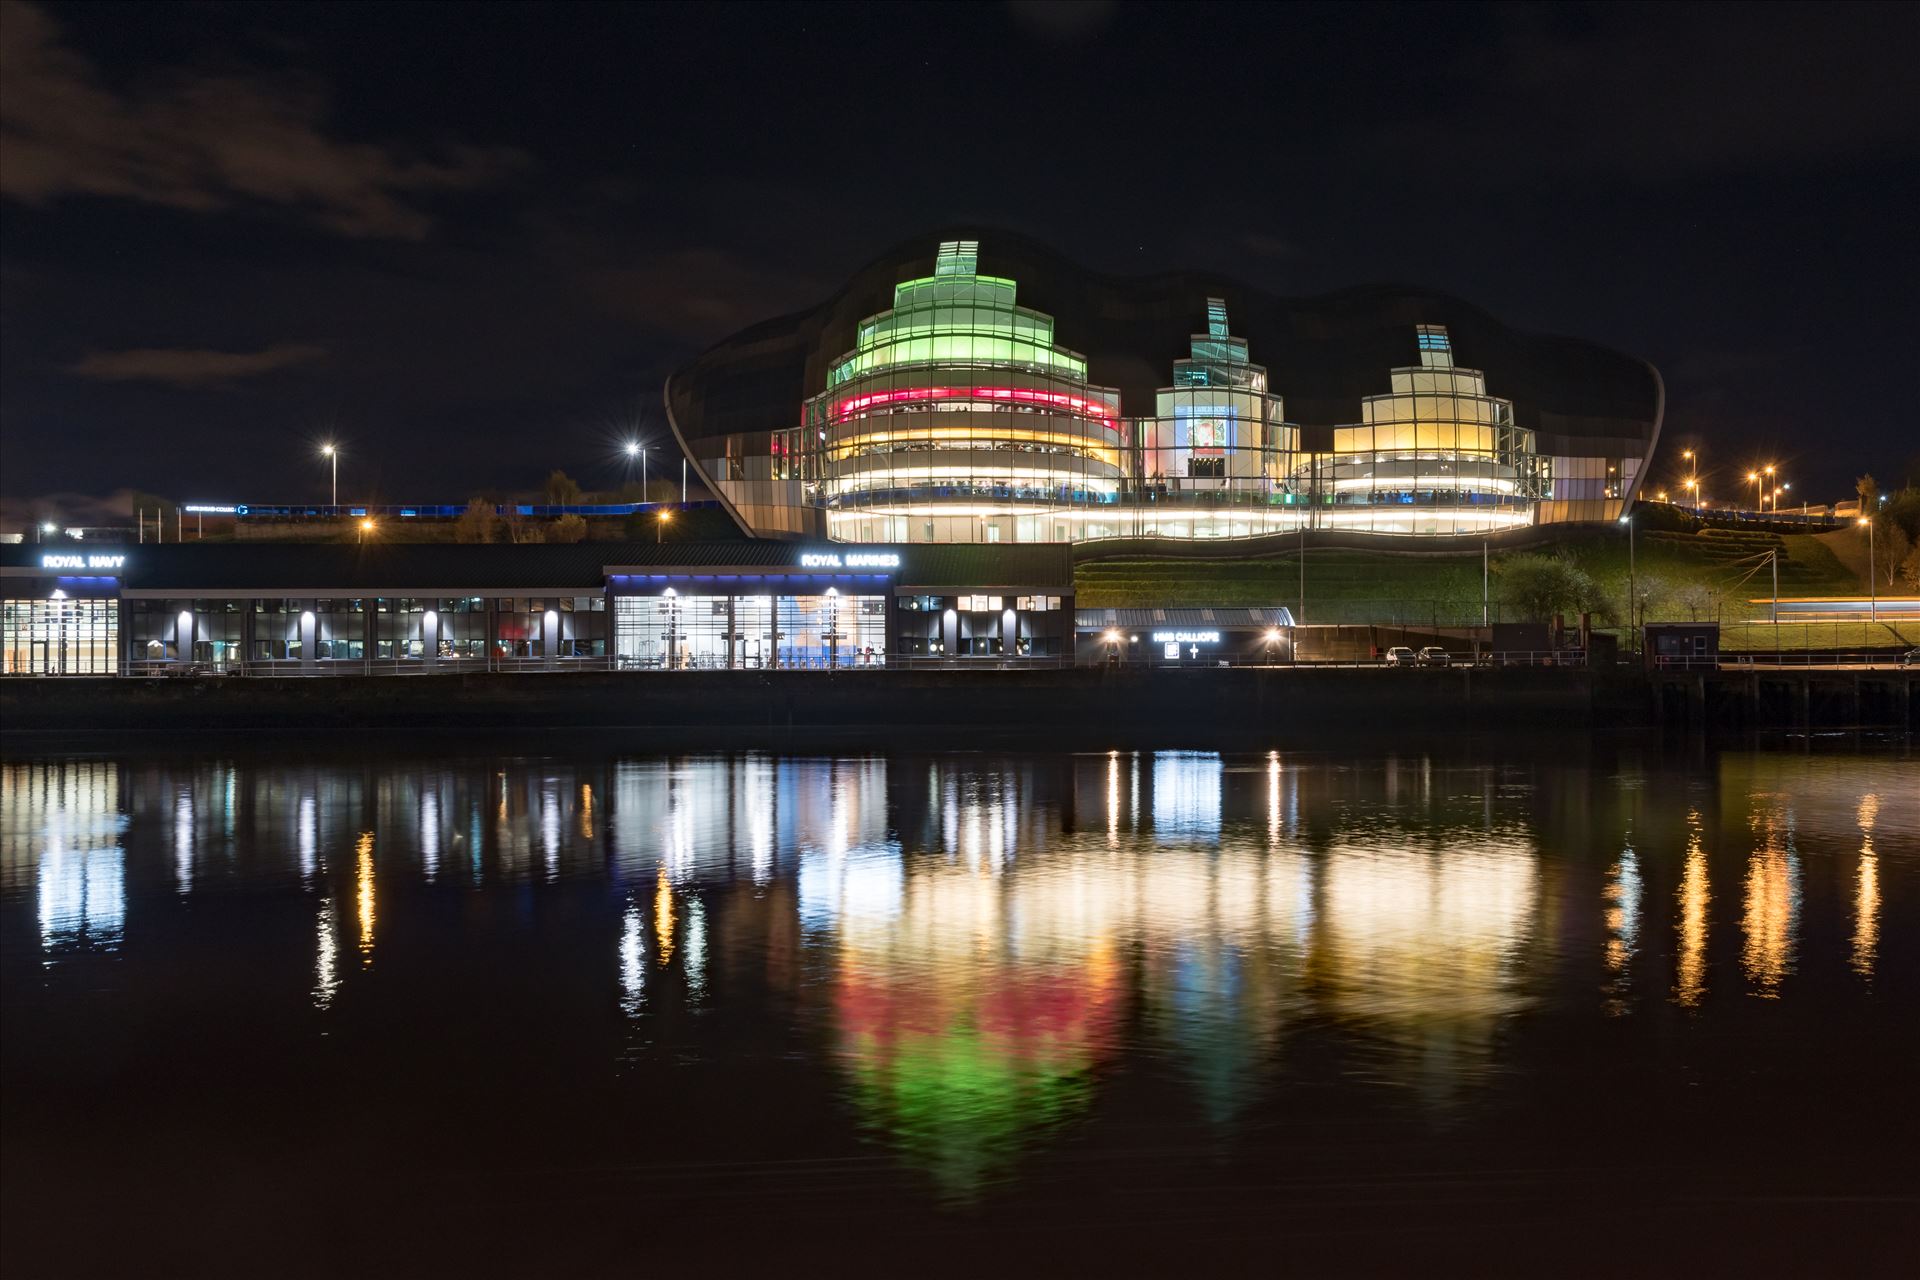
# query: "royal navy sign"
94,562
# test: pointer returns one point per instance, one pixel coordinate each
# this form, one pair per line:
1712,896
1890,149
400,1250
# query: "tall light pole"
1776,492
1693,471
332,455
636,449
1633,632
1873,588
1754,476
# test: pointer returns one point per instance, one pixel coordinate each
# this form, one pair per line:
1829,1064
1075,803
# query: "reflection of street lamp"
1873,588
332,455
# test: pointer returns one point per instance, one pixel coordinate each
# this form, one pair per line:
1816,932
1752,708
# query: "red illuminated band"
1078,405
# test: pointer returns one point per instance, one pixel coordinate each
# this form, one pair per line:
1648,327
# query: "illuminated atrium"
999,394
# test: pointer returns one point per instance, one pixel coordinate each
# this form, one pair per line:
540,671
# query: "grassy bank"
1681,576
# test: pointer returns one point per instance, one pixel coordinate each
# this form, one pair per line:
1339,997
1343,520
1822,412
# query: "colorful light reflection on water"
968,967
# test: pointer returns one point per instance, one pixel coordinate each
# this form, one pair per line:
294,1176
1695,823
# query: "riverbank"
913,707
926,709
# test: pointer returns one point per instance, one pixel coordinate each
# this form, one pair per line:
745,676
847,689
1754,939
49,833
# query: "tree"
1868,493
1699,600
568,529
1910,570
1895,547
562,491
477,523
1536,587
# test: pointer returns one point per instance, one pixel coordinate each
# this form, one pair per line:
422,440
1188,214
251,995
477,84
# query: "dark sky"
469,240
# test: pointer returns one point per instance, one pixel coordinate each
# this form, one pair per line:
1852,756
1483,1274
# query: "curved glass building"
992,392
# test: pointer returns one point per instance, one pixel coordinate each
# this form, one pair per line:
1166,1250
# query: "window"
60,637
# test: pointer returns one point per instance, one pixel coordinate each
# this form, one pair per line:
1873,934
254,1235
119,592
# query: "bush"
568,529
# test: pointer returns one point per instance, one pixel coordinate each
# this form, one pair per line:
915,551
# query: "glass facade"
958,415
956,418
60,636
1436,454
677,632
1218,458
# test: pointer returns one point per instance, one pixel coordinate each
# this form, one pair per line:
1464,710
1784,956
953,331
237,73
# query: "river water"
1594,1007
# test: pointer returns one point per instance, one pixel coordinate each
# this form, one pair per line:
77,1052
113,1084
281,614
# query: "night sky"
468,241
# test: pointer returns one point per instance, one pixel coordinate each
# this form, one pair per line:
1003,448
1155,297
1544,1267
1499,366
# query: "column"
430,639
309,639
550,638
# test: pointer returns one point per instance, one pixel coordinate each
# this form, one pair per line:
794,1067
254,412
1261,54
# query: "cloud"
1062,19
188,367
206,143
1681,93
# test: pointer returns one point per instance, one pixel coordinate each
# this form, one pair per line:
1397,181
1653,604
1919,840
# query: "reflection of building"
924,404
65,818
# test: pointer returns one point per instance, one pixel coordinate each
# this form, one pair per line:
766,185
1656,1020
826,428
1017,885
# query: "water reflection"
1623,926
1690,926
67,820
978,948
1866,894
363,894
1772,903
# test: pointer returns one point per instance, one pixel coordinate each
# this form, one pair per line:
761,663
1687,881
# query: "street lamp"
1776,492
637,450
366,527
332,455
660,530
1632,631
1754,477
1873,589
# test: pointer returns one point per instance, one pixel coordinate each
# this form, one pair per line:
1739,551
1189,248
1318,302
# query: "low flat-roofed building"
419,608
1203,636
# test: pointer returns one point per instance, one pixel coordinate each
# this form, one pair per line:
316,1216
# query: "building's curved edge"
1653,442
726,504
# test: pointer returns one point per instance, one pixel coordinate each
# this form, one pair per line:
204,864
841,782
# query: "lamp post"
1754,478
660,530
1633,632
1693,471
1873,588
1776,492
332,455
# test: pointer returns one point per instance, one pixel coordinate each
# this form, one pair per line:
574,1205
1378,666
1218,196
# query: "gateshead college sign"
82,562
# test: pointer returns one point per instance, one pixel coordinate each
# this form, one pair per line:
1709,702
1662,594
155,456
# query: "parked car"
1399,656
1433,656
1911,658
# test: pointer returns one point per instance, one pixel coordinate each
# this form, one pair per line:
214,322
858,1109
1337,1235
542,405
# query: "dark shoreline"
1090,708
